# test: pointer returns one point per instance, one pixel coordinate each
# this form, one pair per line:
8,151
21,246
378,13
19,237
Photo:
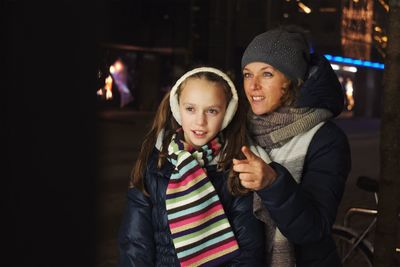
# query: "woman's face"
202,105
264,87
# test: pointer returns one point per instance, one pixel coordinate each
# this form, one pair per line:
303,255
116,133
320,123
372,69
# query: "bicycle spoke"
352,250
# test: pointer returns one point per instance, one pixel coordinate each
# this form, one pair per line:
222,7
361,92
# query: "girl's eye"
213,111
190,109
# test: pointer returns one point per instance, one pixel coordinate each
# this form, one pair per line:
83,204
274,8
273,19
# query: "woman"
301,159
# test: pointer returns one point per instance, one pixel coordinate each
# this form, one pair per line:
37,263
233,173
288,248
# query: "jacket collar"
322,88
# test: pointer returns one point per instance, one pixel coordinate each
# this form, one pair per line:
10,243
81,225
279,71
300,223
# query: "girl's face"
264,87
202,106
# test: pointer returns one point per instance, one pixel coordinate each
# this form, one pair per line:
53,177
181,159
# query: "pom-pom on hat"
284,49
232,105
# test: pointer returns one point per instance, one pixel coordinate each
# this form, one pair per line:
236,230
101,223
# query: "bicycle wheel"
360,256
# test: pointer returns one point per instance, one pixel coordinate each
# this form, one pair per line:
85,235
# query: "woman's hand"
254,173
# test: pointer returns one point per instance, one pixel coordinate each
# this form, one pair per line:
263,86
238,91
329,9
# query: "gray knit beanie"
287,51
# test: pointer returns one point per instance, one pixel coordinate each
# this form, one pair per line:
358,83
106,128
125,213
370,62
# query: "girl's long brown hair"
234,136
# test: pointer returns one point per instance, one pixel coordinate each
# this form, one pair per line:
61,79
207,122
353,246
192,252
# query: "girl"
185,205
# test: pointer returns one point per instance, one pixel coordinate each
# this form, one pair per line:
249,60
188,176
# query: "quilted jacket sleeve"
136,240
249,233
305,212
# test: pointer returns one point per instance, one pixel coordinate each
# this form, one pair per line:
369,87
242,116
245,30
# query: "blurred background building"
156,41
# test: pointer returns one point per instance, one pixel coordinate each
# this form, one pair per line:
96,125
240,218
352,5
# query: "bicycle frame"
369,186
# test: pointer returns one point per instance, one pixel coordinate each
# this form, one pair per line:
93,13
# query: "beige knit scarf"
274,131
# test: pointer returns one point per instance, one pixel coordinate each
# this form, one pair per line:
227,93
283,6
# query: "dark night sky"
51,59
146,22
48,198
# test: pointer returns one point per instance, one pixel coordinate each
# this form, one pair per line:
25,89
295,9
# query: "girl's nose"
200,118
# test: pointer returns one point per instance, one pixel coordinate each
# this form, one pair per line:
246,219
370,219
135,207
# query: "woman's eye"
246,75
190,109
267,74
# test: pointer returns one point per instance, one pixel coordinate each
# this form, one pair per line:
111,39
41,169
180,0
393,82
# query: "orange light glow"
349,94
108,87
357,27
303,7
117,67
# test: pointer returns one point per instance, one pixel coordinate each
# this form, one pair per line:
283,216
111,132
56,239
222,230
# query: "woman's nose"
254,84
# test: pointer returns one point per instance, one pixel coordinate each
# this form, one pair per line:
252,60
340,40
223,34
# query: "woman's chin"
259,111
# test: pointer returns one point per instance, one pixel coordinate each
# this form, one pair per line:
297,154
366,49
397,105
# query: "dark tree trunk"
389,195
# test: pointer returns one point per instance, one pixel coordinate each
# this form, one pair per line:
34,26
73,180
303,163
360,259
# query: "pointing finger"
248,153
240,161
244,167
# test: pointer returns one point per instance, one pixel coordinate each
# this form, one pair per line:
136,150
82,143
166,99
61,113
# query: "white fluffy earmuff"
230,110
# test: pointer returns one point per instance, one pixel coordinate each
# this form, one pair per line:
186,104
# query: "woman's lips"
257,98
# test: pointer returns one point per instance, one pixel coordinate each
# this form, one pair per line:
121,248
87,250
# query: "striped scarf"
200,230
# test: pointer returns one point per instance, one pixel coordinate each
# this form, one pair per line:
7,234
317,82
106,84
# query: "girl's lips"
199,133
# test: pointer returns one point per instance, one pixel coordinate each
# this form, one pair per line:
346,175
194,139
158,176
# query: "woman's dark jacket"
145,240
305,212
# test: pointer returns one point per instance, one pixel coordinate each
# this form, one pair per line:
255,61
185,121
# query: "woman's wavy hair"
234,136
291,93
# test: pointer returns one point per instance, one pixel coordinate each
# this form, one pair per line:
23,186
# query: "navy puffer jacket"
145,240
305,212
